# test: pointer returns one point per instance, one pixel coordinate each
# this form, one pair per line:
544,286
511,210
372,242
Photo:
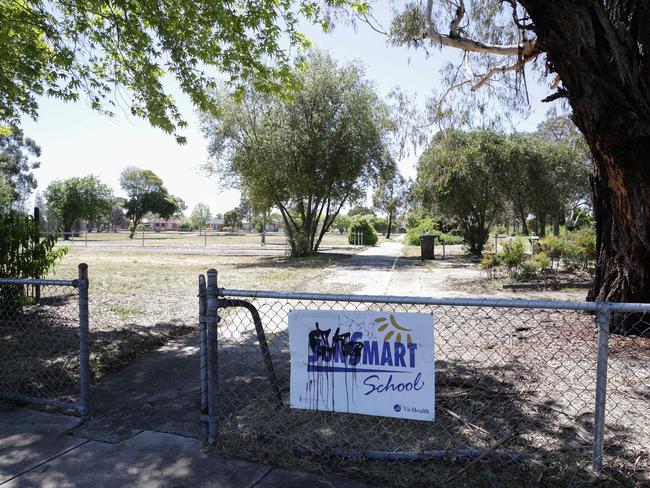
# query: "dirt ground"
502,372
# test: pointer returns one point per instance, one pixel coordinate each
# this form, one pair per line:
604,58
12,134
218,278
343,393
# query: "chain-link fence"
516,393
44,341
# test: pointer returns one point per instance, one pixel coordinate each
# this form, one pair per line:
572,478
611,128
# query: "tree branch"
560,93
499,69
526,49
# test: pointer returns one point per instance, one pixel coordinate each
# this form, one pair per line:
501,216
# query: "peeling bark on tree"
602,55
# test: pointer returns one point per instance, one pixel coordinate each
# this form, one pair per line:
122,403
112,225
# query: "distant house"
162,224
216,224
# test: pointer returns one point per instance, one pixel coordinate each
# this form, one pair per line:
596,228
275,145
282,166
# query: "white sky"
77,141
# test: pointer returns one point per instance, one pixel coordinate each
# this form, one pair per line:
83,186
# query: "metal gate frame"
211,298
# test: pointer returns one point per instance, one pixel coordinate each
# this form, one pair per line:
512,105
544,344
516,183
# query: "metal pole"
205,237
37,240
84,353
142,235
202,354
86,237
212,321
603,320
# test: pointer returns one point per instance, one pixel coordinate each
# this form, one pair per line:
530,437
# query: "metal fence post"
212,321
84,353
602,320
202,355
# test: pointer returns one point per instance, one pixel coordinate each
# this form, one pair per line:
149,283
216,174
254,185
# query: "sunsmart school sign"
373,363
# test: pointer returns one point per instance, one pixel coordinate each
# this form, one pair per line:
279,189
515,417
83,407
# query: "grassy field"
138,301
191,239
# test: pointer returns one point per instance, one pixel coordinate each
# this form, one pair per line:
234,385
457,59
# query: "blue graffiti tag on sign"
373,363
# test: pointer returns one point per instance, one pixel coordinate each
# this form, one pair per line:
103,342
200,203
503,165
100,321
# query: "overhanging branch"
527,49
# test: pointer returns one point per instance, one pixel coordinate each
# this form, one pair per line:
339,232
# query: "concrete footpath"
42,450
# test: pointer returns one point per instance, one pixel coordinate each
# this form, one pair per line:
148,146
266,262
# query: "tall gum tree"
596,54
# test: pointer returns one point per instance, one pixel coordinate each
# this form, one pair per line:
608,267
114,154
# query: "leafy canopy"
146,194
127,51
16,165
307,155
78,198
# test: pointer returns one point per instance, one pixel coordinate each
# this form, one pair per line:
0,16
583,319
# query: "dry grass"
522,380
139,301
190,239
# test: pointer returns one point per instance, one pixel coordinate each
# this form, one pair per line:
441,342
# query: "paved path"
39,449
382,270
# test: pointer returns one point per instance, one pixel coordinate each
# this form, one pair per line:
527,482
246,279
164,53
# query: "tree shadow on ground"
39,348
507,409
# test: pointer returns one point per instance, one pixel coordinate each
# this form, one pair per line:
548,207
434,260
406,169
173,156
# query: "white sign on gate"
373,363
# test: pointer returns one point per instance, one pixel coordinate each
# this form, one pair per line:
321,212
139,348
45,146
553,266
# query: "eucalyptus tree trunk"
601,51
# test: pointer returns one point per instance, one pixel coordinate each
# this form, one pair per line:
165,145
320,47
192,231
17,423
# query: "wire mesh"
515,393
39,342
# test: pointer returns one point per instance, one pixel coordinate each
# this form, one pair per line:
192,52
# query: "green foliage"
430,226
78,198
585,241
232,219
16,165
146,194
460,174
426,226
23,255
554,247
363,224
201,216
513,254
341,223
307,155
390,196
64,49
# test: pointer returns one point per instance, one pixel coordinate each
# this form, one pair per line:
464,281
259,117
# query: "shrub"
364,225
554,247
542,261
426,226
23,255
490,263
513,254
585,245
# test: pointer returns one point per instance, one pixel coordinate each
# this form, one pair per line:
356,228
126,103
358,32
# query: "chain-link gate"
44,357
526,392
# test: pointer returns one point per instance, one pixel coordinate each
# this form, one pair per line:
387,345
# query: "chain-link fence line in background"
44,357
517,398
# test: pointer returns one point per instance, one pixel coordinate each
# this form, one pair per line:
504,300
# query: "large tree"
17,162
78,198
63,49
201,216
390,196
145,194
307,155
544,177
596,54
462,175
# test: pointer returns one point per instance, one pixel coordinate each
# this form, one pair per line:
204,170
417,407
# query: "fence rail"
44,356
526,391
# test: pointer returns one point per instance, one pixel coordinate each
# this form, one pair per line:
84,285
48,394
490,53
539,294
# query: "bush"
23,255
585,245
364,225
513,254
542,261
430,227
426,226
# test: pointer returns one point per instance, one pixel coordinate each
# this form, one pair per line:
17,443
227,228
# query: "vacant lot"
140,300
191,239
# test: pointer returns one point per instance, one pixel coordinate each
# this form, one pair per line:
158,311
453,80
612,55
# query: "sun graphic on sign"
391,323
